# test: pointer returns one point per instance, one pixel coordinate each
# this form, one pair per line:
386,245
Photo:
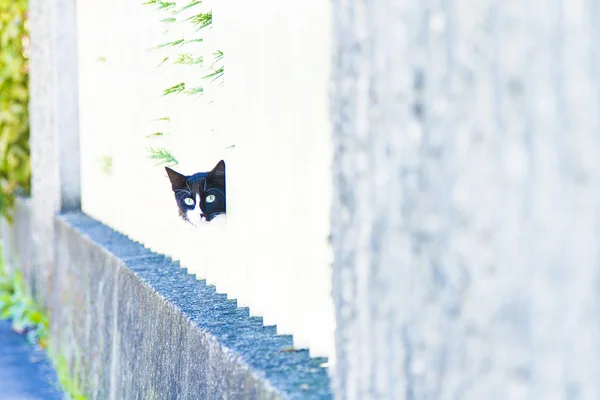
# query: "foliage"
162,156
188,59
200,20
180,87
15,169
106,165
63,372
29,318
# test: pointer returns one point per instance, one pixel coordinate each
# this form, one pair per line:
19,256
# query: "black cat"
200,197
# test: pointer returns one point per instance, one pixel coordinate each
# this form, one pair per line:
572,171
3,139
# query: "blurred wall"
466,199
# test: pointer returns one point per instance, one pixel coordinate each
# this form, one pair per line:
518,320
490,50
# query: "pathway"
25,372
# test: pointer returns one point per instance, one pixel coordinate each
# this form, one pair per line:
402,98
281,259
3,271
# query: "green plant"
162,156
27,317
199,20
63,372
106,165
15,169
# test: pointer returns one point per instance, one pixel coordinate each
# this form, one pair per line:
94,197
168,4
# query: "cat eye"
210,198
188,201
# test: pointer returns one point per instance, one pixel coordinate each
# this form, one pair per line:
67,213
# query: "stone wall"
467,199
133,324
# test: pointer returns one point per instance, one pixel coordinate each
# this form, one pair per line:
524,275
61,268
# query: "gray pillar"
54,139
466,210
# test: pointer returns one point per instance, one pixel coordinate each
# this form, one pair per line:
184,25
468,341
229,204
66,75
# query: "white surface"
272,253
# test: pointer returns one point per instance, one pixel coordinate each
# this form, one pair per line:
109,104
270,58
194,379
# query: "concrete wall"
16,242
133,324
467,199
55,182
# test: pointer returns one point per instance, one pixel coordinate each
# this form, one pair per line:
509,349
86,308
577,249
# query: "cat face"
200,197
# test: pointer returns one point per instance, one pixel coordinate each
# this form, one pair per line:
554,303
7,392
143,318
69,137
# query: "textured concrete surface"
136,325
18,237
25,372
53,108
466,211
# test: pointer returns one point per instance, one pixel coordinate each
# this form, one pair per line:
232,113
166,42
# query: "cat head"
200,197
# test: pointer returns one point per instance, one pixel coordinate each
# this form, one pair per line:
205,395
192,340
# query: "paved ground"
25,372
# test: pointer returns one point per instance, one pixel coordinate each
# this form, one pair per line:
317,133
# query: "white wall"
273,254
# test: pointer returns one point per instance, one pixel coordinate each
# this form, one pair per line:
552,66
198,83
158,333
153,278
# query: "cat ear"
178,180
218,172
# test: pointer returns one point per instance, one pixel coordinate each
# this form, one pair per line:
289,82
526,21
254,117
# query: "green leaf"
171,44
178,88
36,317
188,59
162,156
164,60
188,6
161,5
201,20
215,74
156,134
195,90
14,98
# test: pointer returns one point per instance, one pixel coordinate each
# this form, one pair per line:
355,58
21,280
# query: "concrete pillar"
466,214
54,127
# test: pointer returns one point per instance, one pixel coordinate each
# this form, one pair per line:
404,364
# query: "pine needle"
188,59
188,6
202,20
180,87
162,156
